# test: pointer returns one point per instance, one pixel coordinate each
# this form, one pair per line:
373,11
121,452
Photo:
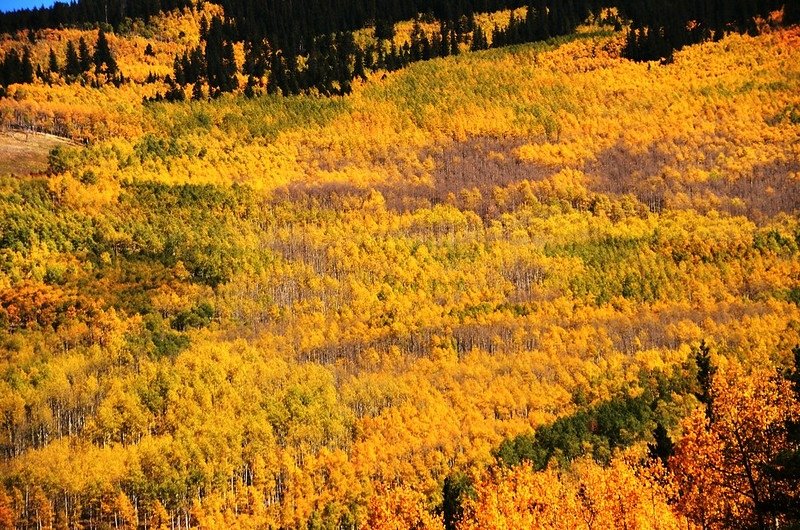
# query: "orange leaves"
587,496
400,508
722,466
33,304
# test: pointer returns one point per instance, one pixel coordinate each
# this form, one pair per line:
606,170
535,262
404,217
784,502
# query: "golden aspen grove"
434,265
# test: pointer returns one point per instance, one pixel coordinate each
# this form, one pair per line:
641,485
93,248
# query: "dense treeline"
85,12
287,25
659,28
76,62
318,51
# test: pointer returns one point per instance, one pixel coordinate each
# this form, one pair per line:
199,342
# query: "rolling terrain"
538,285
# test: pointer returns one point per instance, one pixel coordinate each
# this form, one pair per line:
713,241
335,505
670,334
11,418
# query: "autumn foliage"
537,286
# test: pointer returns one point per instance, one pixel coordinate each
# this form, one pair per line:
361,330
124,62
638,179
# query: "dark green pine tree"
456,489
705,378
662,446
417,38
499,36
178,71
255,59
479,41
103,58
384,29
443,41
454,43
276,83
11,68
338,67
52,63
28,71
72,67
537,20
231,83
359,69
195,68
197,91
219,59
84,55
249,88
204,28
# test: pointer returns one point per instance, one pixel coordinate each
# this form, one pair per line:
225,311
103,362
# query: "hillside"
537,285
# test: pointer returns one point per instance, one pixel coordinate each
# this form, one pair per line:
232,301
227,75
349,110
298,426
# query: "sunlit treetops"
539,285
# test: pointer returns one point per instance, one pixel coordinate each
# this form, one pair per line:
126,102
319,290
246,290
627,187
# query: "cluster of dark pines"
658,28
18,68
544,19
332,62
86,12
212,63
277,33
288,25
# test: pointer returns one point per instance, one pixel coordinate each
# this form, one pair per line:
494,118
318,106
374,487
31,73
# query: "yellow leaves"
400,508
397,330
586,496
557,155
73,466
721,464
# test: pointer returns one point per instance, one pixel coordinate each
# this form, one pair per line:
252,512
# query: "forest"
431,265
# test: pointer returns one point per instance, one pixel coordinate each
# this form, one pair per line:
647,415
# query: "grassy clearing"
25,153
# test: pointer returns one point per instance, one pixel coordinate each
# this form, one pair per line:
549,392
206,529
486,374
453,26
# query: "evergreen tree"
72,67
277,83
84,55
103,58
249,88
443,40
178,70
384,29
791,12
454,43
662,446
230,83
418,38
52,63
197,91
255,59
498,36
358,67
537,19
219,59
705,377
479,41
456,489
11,68
27,71
204,28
